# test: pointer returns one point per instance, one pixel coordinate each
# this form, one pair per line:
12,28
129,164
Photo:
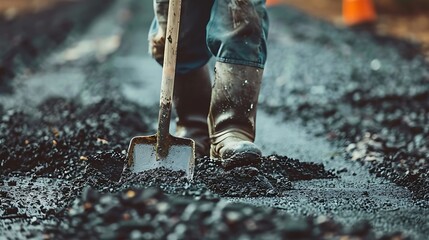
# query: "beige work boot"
232,114
191,100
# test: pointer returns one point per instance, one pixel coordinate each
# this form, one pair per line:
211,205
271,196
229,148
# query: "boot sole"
241,160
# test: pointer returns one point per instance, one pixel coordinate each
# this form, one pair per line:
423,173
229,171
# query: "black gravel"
63,134
150,214
367,93
73,155
65,140
271,178
22,51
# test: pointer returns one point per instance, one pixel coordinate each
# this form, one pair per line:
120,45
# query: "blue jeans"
234,31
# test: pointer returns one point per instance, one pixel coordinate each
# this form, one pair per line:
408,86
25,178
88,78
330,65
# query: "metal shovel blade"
163,150
179,154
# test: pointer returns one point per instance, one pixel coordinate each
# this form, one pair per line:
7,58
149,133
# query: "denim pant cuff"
241,62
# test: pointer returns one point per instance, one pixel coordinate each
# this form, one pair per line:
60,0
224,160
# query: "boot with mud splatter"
191,101
233,113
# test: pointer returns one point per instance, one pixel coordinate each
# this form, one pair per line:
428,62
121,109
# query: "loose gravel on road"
63,159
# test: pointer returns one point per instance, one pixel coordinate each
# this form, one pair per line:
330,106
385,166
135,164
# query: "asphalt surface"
308,62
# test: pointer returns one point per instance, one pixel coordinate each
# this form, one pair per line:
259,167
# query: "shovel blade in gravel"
180,156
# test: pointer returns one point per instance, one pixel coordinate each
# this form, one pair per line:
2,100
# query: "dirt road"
65,127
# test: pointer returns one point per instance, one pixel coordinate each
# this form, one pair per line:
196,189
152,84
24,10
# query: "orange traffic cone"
358,11
272,2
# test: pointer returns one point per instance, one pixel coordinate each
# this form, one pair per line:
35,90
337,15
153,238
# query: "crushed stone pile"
150,214
64,146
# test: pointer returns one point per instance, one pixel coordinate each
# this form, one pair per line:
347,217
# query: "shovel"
163,149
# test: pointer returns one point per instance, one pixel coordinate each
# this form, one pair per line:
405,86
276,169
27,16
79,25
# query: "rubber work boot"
233,113
191,99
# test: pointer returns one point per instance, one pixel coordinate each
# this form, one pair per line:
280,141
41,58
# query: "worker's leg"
192,51
237,34
192,92
192,85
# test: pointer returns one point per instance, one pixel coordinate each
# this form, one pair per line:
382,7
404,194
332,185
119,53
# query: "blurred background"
407,19
11,8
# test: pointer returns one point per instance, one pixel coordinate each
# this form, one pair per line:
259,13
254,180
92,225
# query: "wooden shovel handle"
168,75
